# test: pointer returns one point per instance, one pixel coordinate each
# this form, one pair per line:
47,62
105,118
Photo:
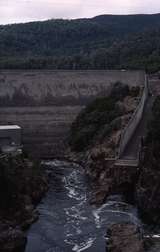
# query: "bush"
95,116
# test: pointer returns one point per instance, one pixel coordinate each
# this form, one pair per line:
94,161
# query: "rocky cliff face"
100,149
148,187
107,179
125,237
140,185
22,184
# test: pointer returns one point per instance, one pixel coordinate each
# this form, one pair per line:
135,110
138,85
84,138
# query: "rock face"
100,154
141,184
148,186
106,178
22,184
11,239
124,238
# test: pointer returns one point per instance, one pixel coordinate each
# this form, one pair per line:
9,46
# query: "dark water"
67,222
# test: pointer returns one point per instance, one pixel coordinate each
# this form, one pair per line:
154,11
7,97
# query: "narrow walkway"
132,149
130,155
127,162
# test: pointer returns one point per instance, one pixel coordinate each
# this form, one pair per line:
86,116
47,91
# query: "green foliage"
103,42
95,116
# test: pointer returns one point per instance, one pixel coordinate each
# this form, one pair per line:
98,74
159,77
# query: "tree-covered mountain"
107,41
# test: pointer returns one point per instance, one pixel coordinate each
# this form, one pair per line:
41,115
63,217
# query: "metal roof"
8,127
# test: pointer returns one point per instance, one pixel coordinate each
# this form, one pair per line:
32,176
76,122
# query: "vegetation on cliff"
103,42
95,136
97,120
148,187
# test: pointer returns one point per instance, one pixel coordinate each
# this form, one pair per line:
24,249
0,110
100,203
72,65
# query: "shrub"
95,116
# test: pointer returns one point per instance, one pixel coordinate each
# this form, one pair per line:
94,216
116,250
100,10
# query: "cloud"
95,7
109,6
27,10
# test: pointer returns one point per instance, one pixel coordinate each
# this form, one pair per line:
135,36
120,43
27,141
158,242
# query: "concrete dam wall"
45,103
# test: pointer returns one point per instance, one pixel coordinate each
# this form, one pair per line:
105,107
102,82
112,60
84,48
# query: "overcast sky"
12,11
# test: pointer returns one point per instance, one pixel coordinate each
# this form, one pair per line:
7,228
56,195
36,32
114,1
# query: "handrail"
3,156
134,121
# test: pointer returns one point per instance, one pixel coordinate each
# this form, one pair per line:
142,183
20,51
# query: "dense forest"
102,42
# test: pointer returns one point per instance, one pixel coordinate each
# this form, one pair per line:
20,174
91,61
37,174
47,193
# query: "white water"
67,222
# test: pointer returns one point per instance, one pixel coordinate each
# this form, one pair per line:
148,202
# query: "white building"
10,138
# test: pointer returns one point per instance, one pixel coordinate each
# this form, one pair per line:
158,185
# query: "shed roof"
8,127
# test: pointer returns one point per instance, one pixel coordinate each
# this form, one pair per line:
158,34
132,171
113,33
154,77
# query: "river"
67,221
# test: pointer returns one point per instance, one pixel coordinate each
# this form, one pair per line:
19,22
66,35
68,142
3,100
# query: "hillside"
102,42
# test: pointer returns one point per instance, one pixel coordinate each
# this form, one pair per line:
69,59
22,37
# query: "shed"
10,135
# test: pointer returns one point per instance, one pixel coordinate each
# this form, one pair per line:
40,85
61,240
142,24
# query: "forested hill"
102,42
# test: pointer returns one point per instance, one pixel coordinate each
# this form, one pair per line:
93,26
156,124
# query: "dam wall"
45,103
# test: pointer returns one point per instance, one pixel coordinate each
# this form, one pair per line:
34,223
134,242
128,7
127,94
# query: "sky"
16,11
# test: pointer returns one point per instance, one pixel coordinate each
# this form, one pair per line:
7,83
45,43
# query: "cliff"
95,137
22,184
139,185
148,188
125,237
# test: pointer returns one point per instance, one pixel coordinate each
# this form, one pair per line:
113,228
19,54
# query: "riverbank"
95,138
139,186
22,184
67,221
125,237
26,183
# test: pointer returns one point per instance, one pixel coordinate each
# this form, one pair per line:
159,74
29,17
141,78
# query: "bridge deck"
132,149
127,162
130,154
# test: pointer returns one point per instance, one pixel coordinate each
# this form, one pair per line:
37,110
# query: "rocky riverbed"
125,237
67,222
88,207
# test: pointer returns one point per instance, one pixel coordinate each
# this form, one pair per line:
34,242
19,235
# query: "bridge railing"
134,121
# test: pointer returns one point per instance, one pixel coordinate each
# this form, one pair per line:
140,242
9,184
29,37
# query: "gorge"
66,213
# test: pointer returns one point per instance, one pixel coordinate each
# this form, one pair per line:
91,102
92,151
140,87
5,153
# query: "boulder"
12,239
124,237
